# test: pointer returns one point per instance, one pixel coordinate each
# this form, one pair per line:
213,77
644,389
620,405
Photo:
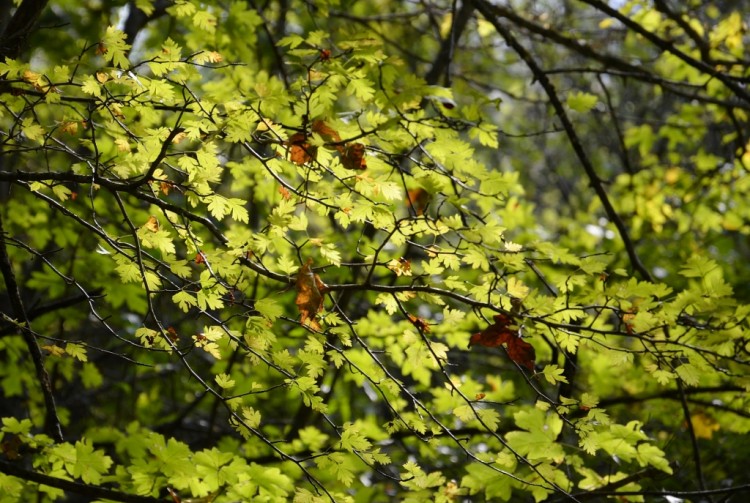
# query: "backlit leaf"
504,332
310,291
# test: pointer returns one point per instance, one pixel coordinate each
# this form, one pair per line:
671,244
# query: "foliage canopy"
374,251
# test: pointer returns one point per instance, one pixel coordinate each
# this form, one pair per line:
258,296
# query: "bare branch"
575,142
52,422
19,28
88,490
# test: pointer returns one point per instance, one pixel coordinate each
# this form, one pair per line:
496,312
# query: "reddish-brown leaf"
325,131
496,334
300,151
172,334
310,291
504,332
628,320
200,258
419,323
353,156
417,199
521,352
285,194
11,445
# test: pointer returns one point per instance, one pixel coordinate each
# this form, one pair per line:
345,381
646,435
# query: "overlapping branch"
91,491
575,142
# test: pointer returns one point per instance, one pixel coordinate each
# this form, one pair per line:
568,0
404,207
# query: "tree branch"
35,312
52,422
91,491
611,65
575,142
666,46
699,41
677,494
18,30
441,65
137,19
693,439
612,487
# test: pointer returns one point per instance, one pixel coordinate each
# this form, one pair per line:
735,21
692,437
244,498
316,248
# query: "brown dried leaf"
504,332
301,152
419,323
285,194
152,224
417,199
310,291
200,258
402,266
353,156
172,334
11,445
70,127
325,131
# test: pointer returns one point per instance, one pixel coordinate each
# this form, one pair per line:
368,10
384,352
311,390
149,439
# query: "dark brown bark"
18,30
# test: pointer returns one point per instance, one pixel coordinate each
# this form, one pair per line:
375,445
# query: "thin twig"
91,491
52,422
575,141
693,439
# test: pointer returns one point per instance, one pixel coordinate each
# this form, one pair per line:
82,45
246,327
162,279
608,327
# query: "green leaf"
689,374
34,132
238,210
353,440
482,478
361,88
339,465
90,376
581,101
554,374
291,41
517,289
180,267
269,308
91,86
477,259
146,6
698,267
539,440
287,266
115,47
77,351
90,465
14,426
652,455
205,20
184,300
224,381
